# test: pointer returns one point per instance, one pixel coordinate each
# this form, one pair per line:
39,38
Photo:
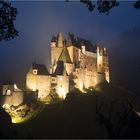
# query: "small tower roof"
41,69
53,39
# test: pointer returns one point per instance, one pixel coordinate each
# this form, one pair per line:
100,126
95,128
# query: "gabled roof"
65,57
41,69
60,69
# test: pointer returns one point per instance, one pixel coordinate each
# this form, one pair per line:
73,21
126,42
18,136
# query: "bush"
73,94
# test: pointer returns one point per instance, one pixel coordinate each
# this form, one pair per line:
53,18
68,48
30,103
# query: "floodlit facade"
73,60
11,95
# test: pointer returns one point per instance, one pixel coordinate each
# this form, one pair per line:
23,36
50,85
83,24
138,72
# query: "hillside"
108,112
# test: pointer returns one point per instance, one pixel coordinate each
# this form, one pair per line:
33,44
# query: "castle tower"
59,40
62,87
53,42
106,65
69,41
56,50
100,60
102,65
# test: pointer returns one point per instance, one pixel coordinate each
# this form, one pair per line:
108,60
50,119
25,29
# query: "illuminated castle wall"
72,59
10,95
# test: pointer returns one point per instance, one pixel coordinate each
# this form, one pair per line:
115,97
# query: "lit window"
8,92
34,71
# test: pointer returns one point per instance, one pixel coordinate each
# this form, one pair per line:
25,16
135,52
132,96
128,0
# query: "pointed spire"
53,38
59,40
69,41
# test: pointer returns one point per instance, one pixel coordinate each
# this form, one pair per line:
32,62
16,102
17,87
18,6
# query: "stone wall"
16,98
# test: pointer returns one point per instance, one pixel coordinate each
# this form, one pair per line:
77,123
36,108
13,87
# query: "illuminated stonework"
72,59
11,95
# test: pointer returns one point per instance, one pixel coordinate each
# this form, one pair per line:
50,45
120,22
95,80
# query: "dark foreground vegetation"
108,112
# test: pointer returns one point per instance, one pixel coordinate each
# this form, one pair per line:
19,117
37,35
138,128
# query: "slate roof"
89,46
60,69
65,57
78,42
42,70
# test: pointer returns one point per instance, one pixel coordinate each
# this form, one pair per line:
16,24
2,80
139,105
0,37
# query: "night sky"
37,21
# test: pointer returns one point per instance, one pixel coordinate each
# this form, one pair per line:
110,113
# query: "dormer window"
34,71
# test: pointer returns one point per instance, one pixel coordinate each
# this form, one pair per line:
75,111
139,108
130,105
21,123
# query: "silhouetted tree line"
104,6
8,14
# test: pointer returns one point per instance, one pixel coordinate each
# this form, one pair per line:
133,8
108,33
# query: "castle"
75,62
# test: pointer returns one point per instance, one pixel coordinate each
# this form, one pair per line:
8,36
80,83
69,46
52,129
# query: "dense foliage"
104,6
7,16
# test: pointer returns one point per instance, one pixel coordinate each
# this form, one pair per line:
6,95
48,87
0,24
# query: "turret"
53,42
100,60
69,41
59,40
102,65
56,50
83,48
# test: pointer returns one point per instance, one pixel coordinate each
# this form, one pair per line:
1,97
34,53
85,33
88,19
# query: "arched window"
8,92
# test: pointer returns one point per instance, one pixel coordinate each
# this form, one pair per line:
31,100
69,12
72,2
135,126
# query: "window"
34,71
8,92
53,79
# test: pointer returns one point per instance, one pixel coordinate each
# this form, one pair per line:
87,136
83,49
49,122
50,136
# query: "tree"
137,4
53,94
117,127
7,17
104,6
5,123
8,14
